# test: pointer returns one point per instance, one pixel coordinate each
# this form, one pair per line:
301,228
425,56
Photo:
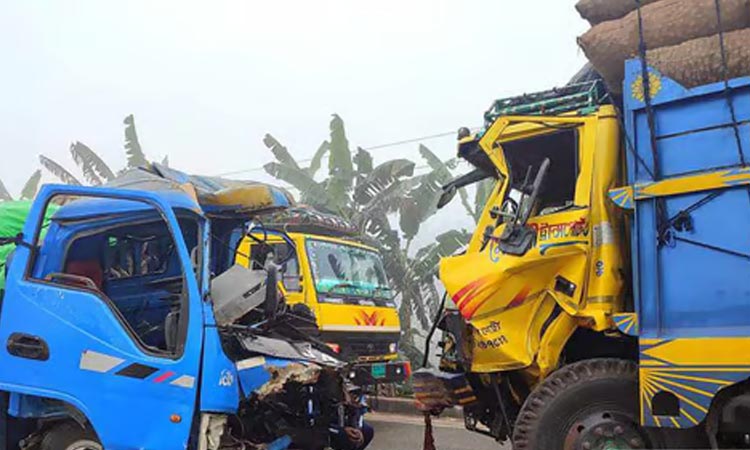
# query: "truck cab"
340,282
114,336
605,304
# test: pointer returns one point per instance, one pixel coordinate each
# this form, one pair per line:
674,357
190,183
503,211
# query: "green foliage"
310,190
369,195
92,166
58,171
484,189
340,166
317,159
31,186
133,150
280,152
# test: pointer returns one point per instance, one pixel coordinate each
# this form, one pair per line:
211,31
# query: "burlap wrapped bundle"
697,62
597,11
665,23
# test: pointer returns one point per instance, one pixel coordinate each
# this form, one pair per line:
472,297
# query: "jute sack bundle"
597,11
665,23
698,62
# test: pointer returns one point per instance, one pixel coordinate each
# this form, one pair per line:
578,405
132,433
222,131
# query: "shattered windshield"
347,270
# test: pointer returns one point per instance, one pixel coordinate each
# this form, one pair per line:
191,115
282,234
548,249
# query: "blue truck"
607,304
127,326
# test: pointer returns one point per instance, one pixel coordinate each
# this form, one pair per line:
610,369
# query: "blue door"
63,337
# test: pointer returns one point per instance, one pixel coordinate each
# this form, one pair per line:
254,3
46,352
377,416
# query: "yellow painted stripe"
683,386
692,378
687,400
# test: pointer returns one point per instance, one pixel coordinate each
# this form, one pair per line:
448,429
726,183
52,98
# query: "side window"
290,273
526,157
126,254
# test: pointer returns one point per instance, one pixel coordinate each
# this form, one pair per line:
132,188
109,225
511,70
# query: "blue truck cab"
110,337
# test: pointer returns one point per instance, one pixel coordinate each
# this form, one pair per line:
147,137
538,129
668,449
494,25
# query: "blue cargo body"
690,280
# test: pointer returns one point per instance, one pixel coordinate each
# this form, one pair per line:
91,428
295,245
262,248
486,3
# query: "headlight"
393,348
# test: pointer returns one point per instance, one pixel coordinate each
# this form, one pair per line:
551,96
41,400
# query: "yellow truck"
602,301
330,275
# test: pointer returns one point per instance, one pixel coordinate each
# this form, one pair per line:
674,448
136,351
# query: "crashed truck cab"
111,339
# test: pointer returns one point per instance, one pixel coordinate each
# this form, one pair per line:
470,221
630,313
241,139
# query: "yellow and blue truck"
333,277
604,299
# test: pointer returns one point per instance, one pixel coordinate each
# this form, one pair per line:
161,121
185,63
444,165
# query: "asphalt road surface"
395,432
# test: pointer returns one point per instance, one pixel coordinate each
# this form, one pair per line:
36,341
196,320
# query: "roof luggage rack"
582,97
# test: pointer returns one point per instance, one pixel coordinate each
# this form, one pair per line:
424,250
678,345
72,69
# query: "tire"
589,404
70,436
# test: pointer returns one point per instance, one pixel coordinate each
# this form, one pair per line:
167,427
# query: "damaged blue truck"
125,325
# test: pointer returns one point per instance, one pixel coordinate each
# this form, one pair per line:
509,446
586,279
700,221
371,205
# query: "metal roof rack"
582,97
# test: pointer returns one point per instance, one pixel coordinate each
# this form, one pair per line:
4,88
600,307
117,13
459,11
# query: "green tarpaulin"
12,218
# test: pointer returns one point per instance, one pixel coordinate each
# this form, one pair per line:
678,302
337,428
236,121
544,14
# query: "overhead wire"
374,147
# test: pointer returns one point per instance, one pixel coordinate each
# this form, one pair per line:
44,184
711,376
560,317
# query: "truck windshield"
346,270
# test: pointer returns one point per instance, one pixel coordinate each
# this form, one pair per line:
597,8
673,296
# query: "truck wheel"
70,436
591,405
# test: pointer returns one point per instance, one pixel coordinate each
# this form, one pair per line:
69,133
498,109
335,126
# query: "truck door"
514,296
66,335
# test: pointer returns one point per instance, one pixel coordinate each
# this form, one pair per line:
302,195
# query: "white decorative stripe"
251,362
372,328
185,381
98,362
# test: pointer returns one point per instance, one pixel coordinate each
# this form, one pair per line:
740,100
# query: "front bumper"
372,373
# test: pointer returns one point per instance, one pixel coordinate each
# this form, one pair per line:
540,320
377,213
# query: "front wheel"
70,436
588,405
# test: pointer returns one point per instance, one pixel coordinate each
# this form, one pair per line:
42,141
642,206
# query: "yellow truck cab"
339,281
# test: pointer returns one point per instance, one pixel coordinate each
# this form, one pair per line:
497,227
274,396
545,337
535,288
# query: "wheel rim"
605,431
84,445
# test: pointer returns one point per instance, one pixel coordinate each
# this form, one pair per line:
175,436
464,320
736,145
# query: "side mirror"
448,193
272,300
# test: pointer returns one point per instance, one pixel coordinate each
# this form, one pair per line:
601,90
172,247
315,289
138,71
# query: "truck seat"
90,268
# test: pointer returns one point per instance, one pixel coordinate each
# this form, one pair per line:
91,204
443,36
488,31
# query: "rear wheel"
588,405
70,436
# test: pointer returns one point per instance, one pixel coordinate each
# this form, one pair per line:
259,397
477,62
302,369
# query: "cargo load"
597,11
681,37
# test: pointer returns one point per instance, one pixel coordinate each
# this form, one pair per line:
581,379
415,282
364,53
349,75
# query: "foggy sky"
206,80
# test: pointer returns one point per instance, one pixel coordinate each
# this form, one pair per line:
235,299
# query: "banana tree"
370,196
95,171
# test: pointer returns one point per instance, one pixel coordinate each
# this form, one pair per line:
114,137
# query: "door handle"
27,346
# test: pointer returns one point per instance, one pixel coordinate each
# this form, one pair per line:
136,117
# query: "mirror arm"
472,177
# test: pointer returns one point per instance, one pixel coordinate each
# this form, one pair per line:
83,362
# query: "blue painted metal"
256,376
683,289
126,412
281,443
220,387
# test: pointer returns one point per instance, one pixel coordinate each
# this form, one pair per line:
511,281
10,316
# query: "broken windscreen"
341,270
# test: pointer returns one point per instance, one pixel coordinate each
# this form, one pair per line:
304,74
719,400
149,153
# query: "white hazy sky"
206,80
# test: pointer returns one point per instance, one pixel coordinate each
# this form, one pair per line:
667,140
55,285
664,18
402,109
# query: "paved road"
394,432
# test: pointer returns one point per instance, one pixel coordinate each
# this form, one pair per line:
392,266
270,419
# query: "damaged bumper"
435,390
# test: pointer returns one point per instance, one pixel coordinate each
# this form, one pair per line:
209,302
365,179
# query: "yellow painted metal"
519,320
706,181
359,321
